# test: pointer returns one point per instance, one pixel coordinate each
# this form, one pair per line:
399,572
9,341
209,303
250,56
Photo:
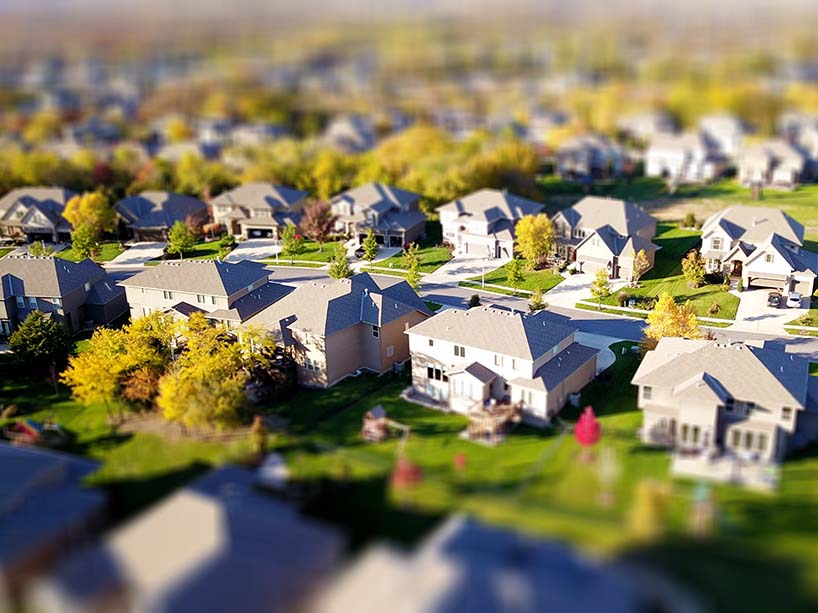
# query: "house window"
685,430
460,351
431,342
213,300
200,298
786,413
761,442
21,302
735,438
513,364
716,243
376,332
748,440
311,364
141,290
57,302
647,393
749,407
390,351
498,359
769,258
167,295
32,302
729,405
695,431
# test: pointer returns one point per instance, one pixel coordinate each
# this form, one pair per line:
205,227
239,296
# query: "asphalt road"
586,321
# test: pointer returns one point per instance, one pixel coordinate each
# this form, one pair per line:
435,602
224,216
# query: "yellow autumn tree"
535,238
93,210
671,319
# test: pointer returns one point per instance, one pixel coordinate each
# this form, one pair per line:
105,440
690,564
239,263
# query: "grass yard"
295,265
532,279
108,251
666,276
4,251
312,252
431,252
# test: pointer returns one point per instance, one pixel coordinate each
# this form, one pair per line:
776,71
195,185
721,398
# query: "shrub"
690,220
622,298
806,320
228,241
714,308
740,285
474,301
714,278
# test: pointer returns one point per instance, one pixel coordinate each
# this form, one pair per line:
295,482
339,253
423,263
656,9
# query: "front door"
736,269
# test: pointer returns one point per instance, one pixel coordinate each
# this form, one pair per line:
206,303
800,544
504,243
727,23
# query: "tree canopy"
41,342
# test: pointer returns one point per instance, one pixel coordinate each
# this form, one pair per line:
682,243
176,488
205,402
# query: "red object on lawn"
406,474
587,429
460,462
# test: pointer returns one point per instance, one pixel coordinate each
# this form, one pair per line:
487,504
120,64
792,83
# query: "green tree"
413,274
601,286
91,209
514,273
318,222
181,238
693,268
370,245
84,242
535,238
339,267
292,243
41,343
39,249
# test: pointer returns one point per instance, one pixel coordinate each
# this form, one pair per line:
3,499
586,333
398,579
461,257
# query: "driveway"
137,255
462,268
754,315
254,249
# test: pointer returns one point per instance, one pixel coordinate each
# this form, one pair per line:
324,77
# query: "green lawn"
312,252
666,276
4,251
811,317
533,279
535,481
432,254
295,265
108,251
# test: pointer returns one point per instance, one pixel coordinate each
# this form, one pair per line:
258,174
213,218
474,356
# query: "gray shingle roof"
375,195
257,300
755,224
558,368
492,205
50,201
595,212
45,277
496,329
260,195
326,307
155,209
210,277
743,371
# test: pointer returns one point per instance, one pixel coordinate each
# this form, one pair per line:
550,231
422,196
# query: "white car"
794,300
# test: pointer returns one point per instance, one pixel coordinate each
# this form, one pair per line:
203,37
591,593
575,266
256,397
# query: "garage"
260,232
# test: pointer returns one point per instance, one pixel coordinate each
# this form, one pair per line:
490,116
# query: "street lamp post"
483,273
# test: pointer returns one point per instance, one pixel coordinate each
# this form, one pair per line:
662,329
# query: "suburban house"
217,544
644,127
482,223
335,328
684,158
753,401
488,355
351,133
151,214
258,210
605,233
230,293
391,213
591,156
773,163
540,124
78,294
761,246
725,131
35,213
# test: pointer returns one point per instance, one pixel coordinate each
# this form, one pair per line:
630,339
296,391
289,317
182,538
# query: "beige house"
683,158
391,213
761,246
483,222
77,294
773,163
589,156
605,233
753,402
258,210
229,293
35,213
336,328
463,360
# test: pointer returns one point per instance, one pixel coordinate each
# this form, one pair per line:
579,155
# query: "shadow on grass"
727,576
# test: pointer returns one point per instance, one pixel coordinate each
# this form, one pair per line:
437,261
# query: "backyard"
666,276
534,481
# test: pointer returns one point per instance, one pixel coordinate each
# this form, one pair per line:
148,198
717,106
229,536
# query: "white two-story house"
482,223
463,360
761,246
683,158
605,233
755,402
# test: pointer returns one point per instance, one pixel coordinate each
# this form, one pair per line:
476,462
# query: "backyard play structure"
489,423
378,427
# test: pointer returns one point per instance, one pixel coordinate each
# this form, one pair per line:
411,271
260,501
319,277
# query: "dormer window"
716,243
32,302
786,413
21,302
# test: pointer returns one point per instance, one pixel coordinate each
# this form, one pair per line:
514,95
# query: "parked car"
794,300
774,299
